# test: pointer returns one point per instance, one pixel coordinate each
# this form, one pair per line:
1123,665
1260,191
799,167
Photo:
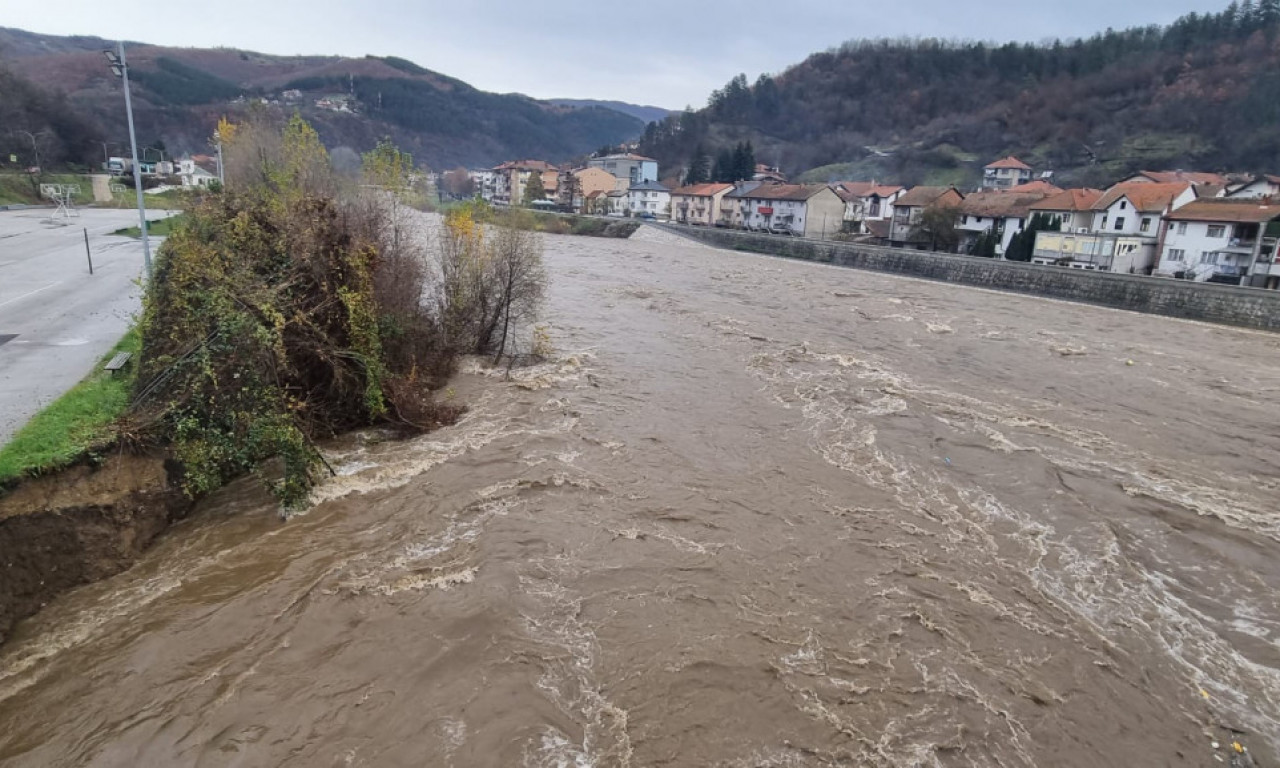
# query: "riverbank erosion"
78,526
750,512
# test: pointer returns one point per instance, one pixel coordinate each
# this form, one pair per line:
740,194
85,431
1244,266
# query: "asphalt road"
56,320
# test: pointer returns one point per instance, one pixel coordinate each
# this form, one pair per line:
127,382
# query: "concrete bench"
118,362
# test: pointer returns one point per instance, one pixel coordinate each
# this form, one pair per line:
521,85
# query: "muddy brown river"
754,513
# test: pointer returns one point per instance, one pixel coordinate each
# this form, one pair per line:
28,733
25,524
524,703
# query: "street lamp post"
120,68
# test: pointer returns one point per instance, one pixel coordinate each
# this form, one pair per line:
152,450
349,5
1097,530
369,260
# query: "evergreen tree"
724,170
1247,18
744,162
533,189
699,167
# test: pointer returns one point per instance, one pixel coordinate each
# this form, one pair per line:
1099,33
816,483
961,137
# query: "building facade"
1006,174
628,169
698,203
649,197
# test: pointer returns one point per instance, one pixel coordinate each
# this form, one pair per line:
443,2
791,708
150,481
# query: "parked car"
649,216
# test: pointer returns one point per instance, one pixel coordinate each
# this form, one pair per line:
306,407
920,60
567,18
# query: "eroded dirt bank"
77,527
756,513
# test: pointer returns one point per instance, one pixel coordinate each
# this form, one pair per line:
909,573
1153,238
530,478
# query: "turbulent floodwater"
756,513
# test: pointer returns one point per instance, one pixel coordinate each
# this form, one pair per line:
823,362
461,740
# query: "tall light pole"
120,68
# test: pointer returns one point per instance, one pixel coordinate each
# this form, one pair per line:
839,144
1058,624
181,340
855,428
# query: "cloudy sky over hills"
664,52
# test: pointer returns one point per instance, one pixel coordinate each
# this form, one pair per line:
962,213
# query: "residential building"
512,177
1124,232
198,171
866,202
698,203
769,174
576,186
1073,208
735,205
628,169
1006,174
1178,177
1261,187
485,181
805,210
1004,212
649,197
1223,241
910,206
616,202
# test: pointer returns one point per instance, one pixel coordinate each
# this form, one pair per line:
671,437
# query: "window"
1119,222
1146,225
1124,205
1208,258
1066,218
1217,230
1182,227
1176,254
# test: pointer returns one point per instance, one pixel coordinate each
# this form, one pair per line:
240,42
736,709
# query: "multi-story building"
577,186
734,205
1005,213
511,179
866,202
1006,174
628,169
1123,229
649,197
1218,240
698,203
805,210
909,208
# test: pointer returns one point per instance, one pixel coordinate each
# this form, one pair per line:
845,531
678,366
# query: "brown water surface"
755,513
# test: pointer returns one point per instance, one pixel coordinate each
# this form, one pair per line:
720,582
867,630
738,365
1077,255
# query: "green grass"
74,424
16,188
160,228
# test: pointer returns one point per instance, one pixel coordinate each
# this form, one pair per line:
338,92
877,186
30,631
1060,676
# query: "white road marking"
32,293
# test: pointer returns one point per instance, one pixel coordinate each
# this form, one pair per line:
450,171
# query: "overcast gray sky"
664,52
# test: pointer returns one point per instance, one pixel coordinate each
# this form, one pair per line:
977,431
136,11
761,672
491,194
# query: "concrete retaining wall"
1226,304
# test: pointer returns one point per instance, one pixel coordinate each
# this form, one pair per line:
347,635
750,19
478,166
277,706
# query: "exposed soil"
79,526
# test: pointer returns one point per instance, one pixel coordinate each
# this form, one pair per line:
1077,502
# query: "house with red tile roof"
804,210
1006,173
1006,212
1260,187
1124,233
866,201
698,203
910,207
1223,240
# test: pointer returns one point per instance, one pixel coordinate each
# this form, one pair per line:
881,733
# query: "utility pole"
120,67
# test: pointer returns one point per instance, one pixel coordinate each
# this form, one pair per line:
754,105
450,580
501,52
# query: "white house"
866,202
1263,186
1006,174
1006,212
628,169
1124,232
734,205
194,173
649,197
1229,240
806,210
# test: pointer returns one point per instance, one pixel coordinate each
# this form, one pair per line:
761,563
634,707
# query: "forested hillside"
61,86
1203,92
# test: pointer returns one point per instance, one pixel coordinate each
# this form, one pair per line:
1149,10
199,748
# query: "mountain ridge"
1203,92
179,94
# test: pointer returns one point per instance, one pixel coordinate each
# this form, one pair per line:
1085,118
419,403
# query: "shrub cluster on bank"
290,308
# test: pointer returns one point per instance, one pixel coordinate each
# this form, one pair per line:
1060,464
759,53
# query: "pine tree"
725,168
1247,18
533,189
744,162
699,167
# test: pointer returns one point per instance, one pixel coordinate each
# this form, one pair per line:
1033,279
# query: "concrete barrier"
1225,304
